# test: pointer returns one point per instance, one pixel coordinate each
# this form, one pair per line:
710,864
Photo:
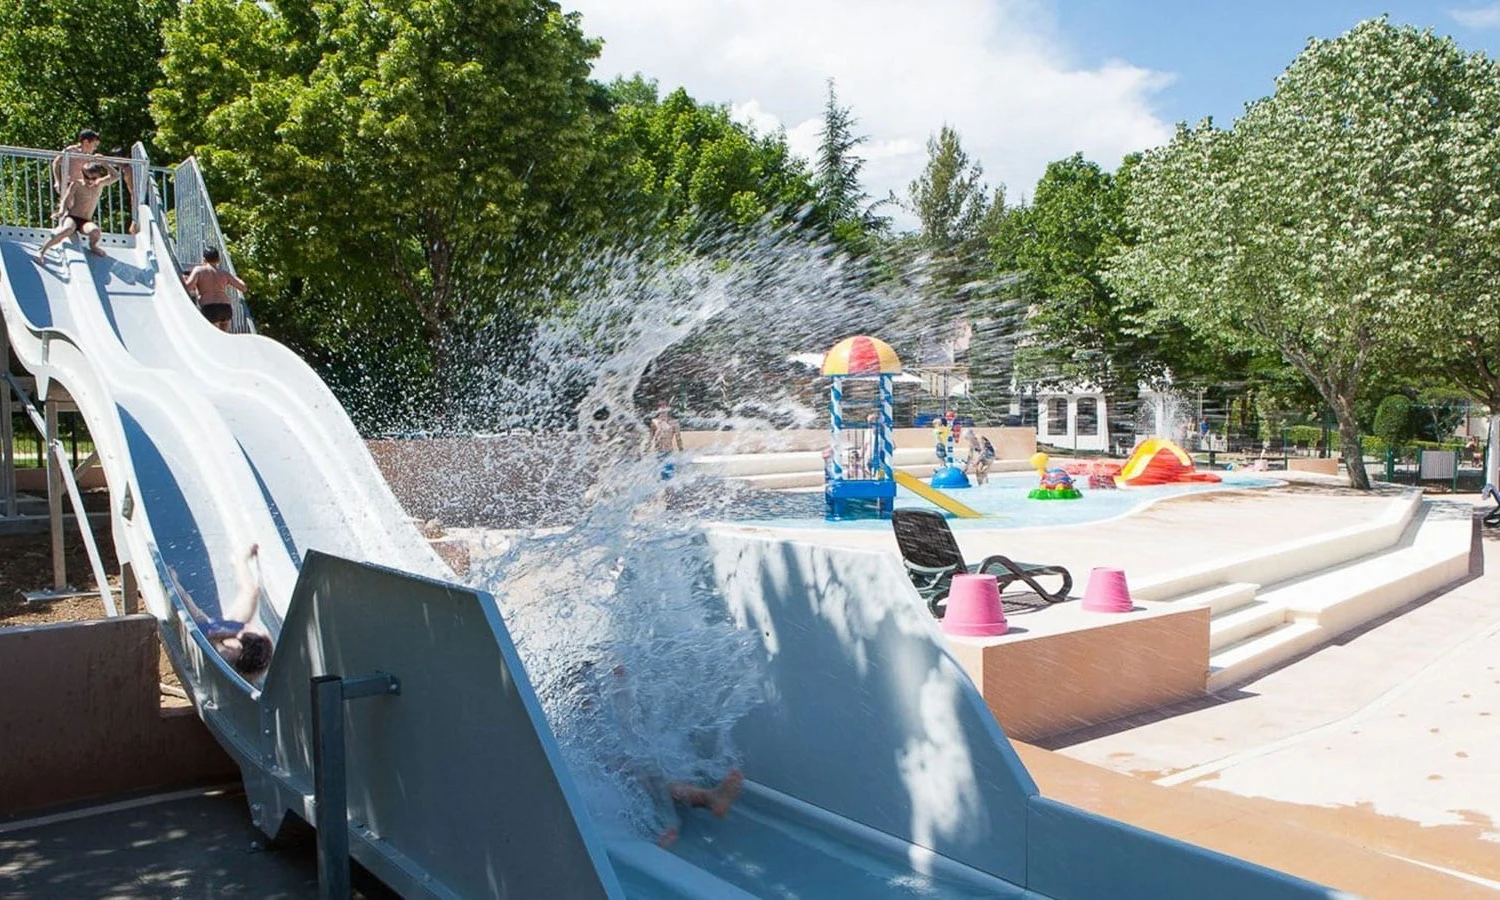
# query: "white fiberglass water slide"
210,442
875,769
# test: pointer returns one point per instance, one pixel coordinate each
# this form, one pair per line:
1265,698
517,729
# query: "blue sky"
1225,54
1024,82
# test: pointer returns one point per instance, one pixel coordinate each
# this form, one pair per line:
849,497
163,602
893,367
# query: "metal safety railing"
29,198
31,180
60,474
195,226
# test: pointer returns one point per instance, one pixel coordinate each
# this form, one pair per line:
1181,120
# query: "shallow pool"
1003,502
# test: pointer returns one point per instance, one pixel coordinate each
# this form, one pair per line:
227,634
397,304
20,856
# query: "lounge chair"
932,558
1492,517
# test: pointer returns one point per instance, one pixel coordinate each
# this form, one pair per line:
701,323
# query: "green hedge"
1304,435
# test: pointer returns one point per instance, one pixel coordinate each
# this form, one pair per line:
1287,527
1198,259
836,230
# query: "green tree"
425,151
1393,420
1309,228
698,168
1080,329
66,65
846,204
949,198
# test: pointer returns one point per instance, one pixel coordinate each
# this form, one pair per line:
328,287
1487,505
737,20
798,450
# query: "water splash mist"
634,655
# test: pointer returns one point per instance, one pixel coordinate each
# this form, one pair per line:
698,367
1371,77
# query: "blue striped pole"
887,426
836,425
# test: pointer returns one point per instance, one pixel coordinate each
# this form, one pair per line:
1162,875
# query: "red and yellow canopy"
861,355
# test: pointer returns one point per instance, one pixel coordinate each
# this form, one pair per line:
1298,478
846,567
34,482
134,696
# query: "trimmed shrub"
1393,420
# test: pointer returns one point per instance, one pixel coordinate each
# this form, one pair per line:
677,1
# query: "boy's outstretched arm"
187,599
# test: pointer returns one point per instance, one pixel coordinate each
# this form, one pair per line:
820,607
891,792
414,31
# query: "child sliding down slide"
667,793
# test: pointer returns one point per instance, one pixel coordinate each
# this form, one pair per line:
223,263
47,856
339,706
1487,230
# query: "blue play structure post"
866,490
886,434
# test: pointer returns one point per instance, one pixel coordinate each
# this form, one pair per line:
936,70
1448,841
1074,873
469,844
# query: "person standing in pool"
238,635
210,286
666,437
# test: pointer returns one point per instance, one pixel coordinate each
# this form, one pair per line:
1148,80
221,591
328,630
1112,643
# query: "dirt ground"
26,566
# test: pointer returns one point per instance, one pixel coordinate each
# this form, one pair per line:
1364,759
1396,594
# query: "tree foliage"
950,198
1393,420
424,150
66,65
698,169
1079,330
1309,228
844,201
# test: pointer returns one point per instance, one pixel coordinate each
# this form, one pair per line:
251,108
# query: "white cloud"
996,70
1479,17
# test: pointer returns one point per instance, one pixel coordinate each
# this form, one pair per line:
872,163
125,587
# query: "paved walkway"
1390,735
194,844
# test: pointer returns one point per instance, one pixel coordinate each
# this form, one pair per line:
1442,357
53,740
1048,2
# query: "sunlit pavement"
1388,736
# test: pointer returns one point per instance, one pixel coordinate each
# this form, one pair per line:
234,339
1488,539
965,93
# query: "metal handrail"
80,514
27,198
176,195
196,226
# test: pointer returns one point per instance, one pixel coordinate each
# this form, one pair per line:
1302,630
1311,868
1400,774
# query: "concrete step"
1314,610
1229,628
1348,597
1280,562
1255,654
1221,599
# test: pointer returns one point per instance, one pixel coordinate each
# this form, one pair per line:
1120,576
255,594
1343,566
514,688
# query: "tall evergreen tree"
836,175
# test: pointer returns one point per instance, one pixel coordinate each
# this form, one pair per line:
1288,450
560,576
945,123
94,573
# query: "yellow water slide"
935,497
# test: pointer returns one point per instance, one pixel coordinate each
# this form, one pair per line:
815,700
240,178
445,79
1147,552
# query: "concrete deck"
1165,537
189,844
1387,735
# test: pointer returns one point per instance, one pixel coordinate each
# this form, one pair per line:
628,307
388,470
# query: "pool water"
1003,502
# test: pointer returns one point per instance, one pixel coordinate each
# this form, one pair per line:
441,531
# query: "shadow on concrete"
202,845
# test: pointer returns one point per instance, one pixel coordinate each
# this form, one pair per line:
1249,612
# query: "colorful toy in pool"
1056,483
1155,461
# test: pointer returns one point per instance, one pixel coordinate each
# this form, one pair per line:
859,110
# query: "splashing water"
639,668
635,657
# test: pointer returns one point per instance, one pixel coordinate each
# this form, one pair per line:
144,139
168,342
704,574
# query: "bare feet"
97,250
41,258
667,839
728,791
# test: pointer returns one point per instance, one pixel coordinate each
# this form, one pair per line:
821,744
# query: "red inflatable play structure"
1155,461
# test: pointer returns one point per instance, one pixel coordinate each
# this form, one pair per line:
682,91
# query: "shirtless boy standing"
210,285
68,166
76,208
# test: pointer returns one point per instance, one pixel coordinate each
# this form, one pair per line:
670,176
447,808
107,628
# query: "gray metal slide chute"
456,784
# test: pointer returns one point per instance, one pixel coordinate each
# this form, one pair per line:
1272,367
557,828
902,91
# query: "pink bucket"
1107,592
974,608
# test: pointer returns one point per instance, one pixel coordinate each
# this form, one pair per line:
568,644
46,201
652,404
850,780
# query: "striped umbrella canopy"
861,355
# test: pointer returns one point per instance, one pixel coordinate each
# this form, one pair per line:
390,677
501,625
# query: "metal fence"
29,182
29,201
194,226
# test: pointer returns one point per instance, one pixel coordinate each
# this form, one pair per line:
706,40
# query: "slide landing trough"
874,770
